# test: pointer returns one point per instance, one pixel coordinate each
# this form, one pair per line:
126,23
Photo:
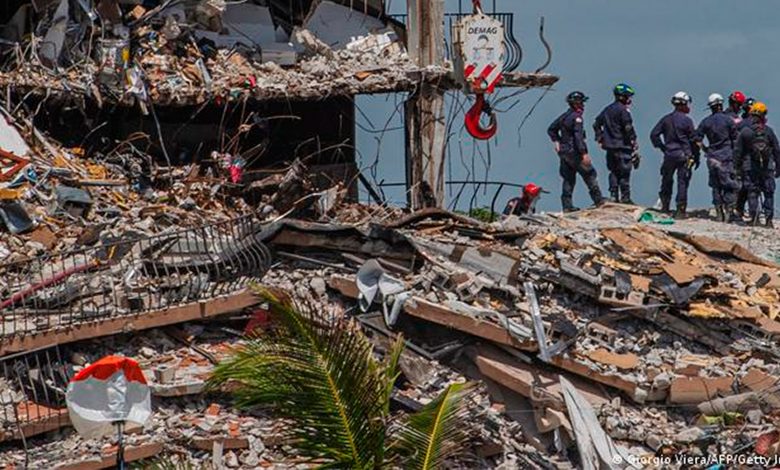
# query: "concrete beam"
129,323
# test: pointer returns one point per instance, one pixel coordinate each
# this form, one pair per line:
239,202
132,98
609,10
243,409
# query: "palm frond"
392,370
320,373
436,433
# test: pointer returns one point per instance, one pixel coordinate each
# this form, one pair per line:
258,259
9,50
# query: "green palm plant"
320,373
436,433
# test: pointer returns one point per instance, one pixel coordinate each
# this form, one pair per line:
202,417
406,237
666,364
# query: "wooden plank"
421,308
426,123
130,323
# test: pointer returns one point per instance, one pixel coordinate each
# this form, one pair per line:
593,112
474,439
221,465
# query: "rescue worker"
675,136
742,193
757,156
736,100
746,106
525,204
720,130
568,136
614,129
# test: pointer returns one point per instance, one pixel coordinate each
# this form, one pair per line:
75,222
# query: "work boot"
680,213
734,218
720,214
613,196
569,209
768,223
665,207
596,197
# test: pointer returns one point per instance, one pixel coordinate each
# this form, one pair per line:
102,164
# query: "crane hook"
473,115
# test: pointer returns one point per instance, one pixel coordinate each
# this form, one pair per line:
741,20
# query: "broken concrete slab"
626,361
681,272
533,382
692,391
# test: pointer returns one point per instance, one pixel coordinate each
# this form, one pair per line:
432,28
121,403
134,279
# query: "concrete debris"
191,52
196,51
656,355
647,369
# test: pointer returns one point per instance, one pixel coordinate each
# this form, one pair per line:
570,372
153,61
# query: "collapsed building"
159,157
149,150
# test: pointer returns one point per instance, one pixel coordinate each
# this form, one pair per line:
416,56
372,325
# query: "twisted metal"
130,276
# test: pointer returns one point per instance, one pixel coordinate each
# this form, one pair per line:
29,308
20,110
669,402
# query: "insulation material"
11,140
337,25
244,23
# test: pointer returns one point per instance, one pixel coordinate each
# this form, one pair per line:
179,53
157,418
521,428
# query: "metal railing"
131,275
513,52
32,393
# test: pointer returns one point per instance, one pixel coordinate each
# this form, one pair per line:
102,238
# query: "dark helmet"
748,104
623,90
576,97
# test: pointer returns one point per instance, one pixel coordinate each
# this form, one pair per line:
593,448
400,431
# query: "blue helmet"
624,90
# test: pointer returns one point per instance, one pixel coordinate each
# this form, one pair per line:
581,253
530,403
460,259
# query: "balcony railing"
32,395
130,276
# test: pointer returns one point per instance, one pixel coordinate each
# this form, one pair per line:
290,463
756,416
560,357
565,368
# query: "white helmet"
681,98
714,100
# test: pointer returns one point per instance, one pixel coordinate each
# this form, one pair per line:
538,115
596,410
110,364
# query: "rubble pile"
202,428
187,427
670,336
63,202
586,330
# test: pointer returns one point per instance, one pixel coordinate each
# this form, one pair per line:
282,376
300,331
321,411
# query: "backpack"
761,148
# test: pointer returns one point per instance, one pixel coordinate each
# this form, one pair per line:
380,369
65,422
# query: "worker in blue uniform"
742,193
675,136
720,132
734,111
568,136
757,156
614,129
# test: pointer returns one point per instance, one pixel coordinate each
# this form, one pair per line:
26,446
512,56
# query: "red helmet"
737,97
531,191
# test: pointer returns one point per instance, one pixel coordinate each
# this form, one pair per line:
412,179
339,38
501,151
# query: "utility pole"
424,110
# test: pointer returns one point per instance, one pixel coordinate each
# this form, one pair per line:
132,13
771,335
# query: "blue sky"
659,47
